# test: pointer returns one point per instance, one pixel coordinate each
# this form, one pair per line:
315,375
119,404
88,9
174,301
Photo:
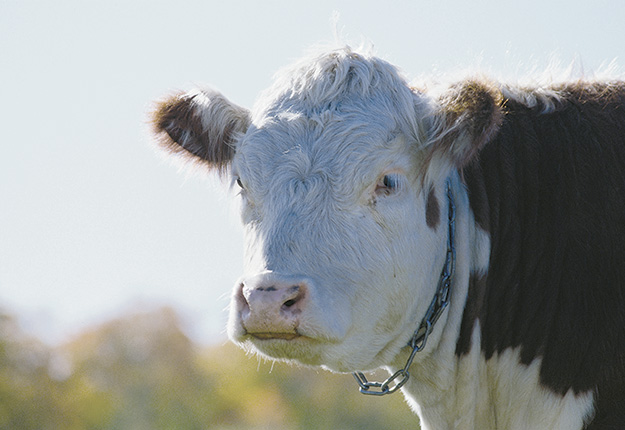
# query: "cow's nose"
270,307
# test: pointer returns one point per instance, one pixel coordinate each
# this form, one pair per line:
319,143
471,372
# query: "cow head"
340,170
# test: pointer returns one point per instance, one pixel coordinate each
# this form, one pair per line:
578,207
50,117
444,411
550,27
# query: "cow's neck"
435,310
434,370
465,390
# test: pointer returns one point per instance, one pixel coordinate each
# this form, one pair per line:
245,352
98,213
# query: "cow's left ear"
467,116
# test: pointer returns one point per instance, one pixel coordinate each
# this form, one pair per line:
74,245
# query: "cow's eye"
388,184
390,181
240,183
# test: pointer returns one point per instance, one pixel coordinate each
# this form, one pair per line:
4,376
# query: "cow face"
339,169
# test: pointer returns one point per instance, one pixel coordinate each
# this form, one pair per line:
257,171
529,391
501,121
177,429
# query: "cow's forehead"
337,115
327,81
324,136
343,149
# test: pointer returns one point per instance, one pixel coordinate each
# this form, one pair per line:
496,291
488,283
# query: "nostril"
296,293
290,303
240,292
241,299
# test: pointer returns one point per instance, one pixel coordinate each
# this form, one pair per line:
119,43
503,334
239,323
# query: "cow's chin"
301,349
336,356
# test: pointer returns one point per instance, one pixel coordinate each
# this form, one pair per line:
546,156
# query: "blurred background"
116,266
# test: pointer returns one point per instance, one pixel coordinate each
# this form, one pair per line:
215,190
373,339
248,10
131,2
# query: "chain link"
437,306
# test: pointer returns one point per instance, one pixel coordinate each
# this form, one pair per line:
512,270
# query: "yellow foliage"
142,372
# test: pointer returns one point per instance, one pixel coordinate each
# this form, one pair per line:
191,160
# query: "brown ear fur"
470,114
200,125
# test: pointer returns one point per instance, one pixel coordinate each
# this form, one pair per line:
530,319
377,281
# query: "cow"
469,237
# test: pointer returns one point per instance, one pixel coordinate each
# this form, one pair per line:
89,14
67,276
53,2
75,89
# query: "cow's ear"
467,116
201,126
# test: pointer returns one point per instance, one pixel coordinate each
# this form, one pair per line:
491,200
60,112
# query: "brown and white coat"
341,170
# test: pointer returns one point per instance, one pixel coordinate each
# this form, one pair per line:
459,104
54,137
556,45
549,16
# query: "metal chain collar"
436,308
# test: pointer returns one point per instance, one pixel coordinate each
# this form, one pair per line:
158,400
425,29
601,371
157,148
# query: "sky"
94,222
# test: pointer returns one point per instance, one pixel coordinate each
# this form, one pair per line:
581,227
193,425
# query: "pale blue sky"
92,220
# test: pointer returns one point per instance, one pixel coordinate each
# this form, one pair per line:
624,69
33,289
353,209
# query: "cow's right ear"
201,126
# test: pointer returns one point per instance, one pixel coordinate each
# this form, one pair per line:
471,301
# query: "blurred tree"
29,397
142,372
147,366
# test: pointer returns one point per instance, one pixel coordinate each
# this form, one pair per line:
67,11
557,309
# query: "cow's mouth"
269,336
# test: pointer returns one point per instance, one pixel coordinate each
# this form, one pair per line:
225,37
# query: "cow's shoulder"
547,189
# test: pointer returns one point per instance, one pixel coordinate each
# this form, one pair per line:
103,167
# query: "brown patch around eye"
432,210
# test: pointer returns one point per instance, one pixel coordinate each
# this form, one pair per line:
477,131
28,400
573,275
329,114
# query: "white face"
340,264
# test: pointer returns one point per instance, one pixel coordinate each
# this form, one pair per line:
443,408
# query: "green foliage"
141,372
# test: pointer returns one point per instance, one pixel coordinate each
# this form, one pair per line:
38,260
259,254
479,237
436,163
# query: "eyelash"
388,184
239,187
